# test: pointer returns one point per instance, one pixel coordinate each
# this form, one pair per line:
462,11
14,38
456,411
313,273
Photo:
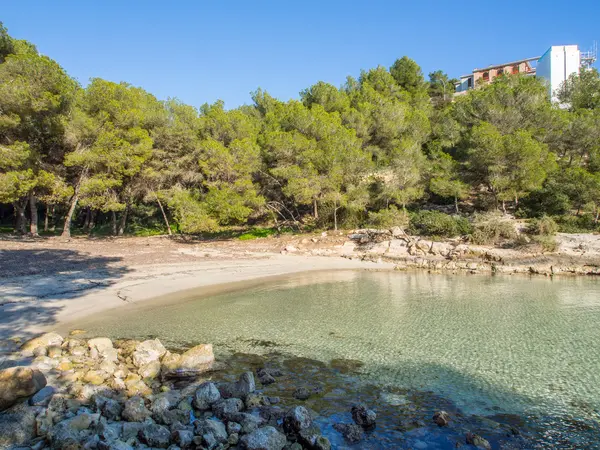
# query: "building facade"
556,65
488,74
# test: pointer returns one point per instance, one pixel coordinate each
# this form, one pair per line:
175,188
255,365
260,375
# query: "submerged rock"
478,441
362,416
352,433
265,438
301,394
18,382
441,418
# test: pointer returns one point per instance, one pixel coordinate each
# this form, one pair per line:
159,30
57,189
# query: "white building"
556,65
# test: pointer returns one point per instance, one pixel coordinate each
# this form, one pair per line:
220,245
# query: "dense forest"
387,148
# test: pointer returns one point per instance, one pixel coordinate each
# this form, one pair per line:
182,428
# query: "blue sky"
201,51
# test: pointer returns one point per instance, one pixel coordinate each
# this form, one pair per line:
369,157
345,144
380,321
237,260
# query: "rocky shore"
71,393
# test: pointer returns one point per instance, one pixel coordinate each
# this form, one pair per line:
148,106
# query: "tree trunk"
123,221
162,210
86,222
92,223
20,213
456,204
315,209
33,225
113,223
46,218
335,209
504,206
69,218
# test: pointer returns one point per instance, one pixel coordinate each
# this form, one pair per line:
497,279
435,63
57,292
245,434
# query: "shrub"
490,228
544,226
388,218
438,224
577,224
546,242
256,233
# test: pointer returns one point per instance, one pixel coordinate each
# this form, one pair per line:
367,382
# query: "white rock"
148,351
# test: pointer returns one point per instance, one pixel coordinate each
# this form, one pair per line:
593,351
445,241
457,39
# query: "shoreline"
50,306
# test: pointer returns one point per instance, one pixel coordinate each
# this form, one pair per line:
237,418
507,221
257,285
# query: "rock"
43,396
150,370
352,433
45,340
148,351
95,377
193,362
40,351
290,249
233,439
17,425
131,430
301,394
69,433
183,438
137,387
54,351
165,401
78,351
211,432
225,408
245,385
254,400
135,410
296,419
478,441
114,445
441,418
112,409
265,438
312,439
206,395
233,427
17,382
362,416
155,435
101,345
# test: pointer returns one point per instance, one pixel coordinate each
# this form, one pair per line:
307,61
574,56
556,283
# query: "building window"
486,76
470,82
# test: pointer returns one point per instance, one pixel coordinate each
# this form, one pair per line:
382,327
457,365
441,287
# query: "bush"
490,229
388,218
577,224
546,242
256,233
544,226
438,224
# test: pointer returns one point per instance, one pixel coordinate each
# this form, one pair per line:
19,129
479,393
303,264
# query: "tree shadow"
31,281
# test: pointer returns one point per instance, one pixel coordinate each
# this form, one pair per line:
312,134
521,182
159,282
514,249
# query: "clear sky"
201,51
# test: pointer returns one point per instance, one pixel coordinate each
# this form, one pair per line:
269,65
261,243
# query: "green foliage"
256,233
388,218
584,223
491,228
544,226
546,242
438,224
190,213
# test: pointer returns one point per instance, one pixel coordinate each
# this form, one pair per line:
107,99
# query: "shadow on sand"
32,280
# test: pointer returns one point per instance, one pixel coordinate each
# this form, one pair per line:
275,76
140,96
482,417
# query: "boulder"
70,433
148,351
135,410
191,363
296,419
150,370
102,345
441,418
45,340
265,438
95,377
17,382
157,436
206,395
211,432
225,408
183,438
43,396
362,416
240,388
312,439
17,425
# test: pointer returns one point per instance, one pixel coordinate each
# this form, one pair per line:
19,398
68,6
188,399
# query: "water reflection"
473,339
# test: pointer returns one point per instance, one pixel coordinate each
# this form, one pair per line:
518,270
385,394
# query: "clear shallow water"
490,344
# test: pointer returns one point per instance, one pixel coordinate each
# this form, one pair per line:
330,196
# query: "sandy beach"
60,283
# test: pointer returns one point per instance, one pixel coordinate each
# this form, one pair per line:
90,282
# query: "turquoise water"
490,344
